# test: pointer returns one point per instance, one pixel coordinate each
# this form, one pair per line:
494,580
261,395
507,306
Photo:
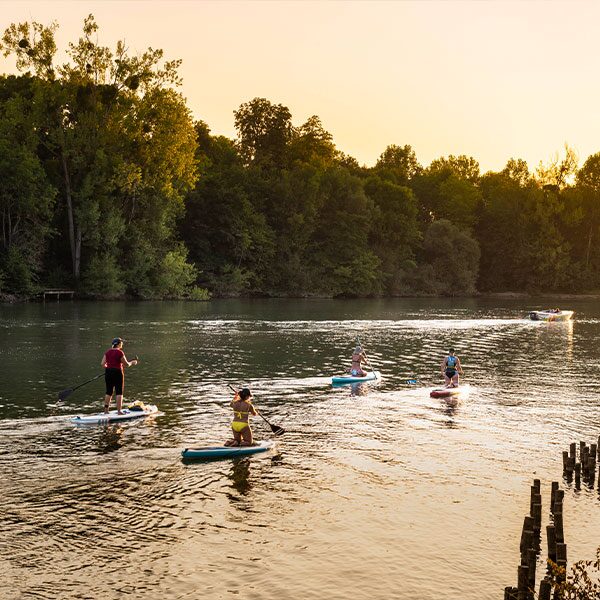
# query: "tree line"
109,186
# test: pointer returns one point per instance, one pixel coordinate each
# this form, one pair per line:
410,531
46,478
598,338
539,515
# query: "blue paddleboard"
209,452
342,379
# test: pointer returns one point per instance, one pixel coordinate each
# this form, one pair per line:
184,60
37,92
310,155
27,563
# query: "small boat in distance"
551,314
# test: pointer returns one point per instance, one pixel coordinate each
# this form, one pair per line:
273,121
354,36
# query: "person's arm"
459,368
126,363
103,363
252,409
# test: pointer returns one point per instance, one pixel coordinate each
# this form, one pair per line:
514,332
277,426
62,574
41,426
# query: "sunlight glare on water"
375,491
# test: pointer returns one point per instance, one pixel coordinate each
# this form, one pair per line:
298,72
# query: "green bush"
199,294
137,277
19,276
176,275
103,278
231,281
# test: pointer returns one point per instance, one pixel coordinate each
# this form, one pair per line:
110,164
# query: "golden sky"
490,79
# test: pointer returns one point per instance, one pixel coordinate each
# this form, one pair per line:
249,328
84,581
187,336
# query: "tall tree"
394,232
448,189
119,143
264,132
451,260
399,164
26,196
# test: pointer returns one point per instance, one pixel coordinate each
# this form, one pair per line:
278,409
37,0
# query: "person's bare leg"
120,404
246,437
455,380
237,438
107,400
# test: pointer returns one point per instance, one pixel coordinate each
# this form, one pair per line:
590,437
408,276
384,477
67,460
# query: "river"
375,491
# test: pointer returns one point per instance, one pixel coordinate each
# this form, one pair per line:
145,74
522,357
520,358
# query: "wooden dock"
58,294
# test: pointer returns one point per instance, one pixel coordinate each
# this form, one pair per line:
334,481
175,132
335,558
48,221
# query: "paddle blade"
64,394
277,430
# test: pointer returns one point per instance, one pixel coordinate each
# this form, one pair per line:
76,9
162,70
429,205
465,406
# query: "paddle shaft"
66,393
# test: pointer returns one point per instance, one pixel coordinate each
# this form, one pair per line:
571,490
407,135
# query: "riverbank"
595,295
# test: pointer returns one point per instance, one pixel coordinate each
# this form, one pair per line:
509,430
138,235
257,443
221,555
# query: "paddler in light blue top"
358,358
451,368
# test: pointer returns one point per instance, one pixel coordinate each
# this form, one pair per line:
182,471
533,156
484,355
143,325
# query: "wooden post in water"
558,500
561,555
561,561
510,593
545,589
585,453
568,473
531,561
591,469
572,451
558,528
526,535
551,536
577,476
523,578
537,518
555,486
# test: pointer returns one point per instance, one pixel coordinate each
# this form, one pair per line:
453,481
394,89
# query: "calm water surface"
375,491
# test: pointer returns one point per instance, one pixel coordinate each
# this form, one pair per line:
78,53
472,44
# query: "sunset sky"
492,80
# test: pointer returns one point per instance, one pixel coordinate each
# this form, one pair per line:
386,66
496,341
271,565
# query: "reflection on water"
400,495
110,439
239,474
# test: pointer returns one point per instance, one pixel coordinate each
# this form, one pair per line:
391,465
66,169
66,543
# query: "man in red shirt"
113,361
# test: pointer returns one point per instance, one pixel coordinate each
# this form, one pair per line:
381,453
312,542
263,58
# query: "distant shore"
14,299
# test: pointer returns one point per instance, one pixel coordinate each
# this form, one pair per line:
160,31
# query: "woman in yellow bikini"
242,409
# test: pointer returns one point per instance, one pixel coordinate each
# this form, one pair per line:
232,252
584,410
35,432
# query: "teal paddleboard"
343,379
208,452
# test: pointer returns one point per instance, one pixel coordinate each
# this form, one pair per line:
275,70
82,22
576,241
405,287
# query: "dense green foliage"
107,186
96,157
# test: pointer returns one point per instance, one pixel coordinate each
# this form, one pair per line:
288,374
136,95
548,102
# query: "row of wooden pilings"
530,545
585,468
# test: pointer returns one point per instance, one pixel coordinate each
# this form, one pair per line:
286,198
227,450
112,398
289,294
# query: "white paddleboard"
113,415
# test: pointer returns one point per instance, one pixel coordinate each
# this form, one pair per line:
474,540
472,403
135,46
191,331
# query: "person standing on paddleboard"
114,361
358,358
240,426
451,368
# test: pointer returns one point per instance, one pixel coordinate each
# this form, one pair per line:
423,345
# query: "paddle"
66,393
274,428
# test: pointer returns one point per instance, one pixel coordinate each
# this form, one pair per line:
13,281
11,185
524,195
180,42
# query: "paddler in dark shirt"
451,368
113,362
